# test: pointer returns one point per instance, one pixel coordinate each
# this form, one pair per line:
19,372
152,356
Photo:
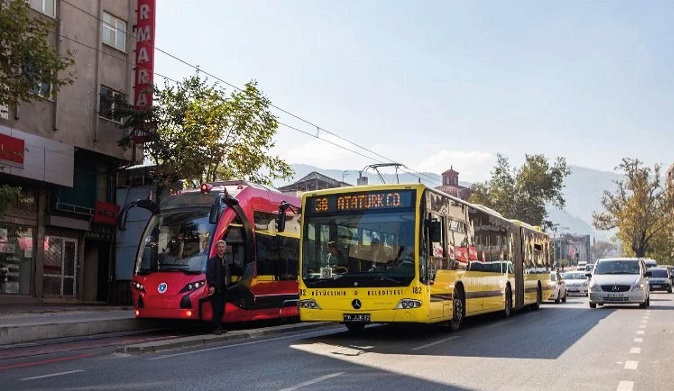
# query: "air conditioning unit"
4,111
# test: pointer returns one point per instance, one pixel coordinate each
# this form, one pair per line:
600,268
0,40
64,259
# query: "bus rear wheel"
355,327
539,299
507,310
457,316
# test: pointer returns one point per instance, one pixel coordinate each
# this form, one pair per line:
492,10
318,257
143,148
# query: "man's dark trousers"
218,302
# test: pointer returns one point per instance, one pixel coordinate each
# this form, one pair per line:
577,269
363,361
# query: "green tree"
522,193
26,61
603,249
640,208
198,132
26,58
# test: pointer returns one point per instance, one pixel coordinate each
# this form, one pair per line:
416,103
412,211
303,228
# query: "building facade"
450,185
57,242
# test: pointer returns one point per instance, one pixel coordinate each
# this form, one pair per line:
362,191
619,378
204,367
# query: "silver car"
576,282
619,281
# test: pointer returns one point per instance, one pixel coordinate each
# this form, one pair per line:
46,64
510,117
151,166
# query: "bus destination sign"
374,200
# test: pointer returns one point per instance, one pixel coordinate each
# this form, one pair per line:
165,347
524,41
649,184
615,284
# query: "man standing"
218,277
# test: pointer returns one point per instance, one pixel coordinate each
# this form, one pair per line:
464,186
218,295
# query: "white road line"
625,385
234,345
52,375
641,332
645,316
635,350
312,381
638,340
498,324
644,321
642,326
631,364
435,343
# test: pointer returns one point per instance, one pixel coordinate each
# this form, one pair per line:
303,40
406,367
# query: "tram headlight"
408,303
138,286
193,286
310,304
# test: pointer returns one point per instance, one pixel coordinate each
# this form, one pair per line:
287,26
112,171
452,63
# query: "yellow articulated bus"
409,253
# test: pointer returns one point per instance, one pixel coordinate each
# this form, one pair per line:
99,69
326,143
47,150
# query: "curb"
13,334
202,340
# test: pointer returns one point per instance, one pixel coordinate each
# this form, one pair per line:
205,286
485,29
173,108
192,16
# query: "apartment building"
57,243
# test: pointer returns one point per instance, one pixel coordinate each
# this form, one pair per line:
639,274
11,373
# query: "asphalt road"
561,347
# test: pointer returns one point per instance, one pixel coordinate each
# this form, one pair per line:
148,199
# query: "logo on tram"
162,287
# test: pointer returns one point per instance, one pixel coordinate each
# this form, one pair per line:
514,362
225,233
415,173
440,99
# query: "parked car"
660,279
559,292
619,281
576,282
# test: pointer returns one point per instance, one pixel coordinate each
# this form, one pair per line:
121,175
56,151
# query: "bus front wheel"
457,316
507,310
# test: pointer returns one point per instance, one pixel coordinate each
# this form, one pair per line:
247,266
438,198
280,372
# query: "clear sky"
434,84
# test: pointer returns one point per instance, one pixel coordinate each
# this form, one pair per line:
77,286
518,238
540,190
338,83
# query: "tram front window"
175,241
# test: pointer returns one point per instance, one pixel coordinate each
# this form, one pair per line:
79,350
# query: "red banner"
145,30
12,150
106,213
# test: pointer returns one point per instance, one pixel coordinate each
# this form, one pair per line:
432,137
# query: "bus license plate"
357,318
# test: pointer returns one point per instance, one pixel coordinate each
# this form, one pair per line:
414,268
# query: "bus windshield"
367,249
176,240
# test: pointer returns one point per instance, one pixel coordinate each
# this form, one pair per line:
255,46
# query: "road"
561,347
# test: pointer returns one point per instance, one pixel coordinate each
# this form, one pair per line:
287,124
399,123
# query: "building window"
114,32
42,89
107,100
16,259
47,7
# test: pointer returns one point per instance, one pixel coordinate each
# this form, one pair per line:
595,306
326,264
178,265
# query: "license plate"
655,286
614,295
357,318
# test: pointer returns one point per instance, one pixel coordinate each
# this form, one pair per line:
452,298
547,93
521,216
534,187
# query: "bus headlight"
309,303
193,286
138,286
408,303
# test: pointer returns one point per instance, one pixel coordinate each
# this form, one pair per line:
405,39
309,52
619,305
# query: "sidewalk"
27,323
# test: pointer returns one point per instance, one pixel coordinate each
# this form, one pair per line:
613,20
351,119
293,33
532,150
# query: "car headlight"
594,287
586,283
637,287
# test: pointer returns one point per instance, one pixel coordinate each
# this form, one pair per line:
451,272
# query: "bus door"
518,257
438,276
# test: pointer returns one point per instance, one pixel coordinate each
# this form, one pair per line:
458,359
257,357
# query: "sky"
440,84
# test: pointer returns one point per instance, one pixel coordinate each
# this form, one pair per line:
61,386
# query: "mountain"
583,191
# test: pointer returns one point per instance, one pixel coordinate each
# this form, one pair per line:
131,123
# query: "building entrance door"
60,266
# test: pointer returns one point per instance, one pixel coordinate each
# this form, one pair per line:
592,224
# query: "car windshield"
617,267
659,273
575,276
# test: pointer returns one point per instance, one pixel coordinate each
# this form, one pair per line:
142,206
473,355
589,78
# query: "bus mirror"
147,204
436,231
281,221
216,209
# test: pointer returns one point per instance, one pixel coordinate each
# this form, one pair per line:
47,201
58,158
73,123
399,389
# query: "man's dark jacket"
219,273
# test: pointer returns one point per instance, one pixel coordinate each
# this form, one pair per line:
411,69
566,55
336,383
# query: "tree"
603,249
200,133
641,209
26,59
522,193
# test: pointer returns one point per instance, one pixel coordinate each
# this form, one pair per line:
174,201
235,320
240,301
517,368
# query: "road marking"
235,345
645,316
642,326
638,340
644,321
631,364
34,363
52,375
435,343
641,332
635,350
498,324
312,381
625,385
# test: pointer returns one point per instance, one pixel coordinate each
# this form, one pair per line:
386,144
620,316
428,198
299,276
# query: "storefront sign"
11,150
145,29
102,233
106,213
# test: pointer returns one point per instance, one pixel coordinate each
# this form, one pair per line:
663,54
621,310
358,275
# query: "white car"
619,281
559,292
576,282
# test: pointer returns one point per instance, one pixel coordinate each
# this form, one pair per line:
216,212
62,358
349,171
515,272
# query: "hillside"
583,190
